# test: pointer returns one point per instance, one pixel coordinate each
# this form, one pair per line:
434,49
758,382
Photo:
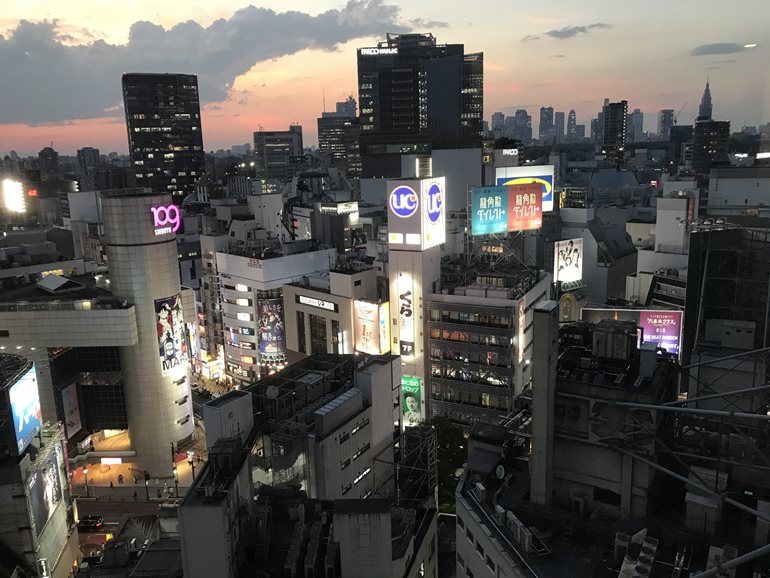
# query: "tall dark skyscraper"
164,131
709,145
546,129
559,127
88,160
704,110
415,95
48,160
615,131
665,122
522,126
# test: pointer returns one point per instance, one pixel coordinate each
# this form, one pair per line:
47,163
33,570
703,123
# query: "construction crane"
681,108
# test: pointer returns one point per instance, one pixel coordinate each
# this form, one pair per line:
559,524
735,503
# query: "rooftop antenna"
323,92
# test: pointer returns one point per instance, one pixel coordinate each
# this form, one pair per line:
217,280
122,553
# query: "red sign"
525,207
32,192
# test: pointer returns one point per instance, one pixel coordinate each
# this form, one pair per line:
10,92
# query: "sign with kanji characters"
506,208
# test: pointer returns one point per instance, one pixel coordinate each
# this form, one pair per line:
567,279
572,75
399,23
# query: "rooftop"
29,297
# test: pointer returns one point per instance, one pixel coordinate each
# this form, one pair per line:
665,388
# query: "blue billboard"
542,175
25,406
504,209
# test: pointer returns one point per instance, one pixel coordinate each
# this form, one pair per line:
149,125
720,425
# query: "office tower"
571,126
498,124
597,125
163,118
522,126
614,131
417,95
88,160
547,130
276,153
49,163
709,144
635,124
338,134
580,132
704,110
665,122
559,127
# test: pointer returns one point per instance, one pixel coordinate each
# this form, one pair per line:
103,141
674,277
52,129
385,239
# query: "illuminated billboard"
416,213
406,314
166,219
542,175
25,406
662,327
13,196
506,208
272,333
522,326
568,260
411,401
44,490
69,400
372,327
173,338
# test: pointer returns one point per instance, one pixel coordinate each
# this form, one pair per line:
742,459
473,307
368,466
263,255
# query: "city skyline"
63,70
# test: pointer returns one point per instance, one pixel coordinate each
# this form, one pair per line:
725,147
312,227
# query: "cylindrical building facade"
140,238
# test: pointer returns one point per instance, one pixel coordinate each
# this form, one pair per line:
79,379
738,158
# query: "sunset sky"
271,64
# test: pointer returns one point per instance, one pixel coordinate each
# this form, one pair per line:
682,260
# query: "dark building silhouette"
704,110
277,153
49,163
614,130
338,134
416,95
546,128
709,145
164,131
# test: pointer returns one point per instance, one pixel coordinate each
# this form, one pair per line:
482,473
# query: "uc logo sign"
167,217
434,203
403,201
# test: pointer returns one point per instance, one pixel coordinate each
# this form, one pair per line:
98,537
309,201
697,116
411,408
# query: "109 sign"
166,219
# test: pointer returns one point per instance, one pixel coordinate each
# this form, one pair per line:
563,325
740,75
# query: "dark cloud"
530,38
556,56
46,80
717,48
572,31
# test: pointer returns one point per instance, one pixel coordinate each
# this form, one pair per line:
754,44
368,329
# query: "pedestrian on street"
135,480
135,496
111,484
120,478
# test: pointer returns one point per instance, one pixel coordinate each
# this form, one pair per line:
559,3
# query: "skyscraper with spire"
704,110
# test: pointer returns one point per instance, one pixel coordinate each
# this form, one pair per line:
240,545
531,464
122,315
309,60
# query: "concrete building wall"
143,269
316,303
363,537
205,541
272,273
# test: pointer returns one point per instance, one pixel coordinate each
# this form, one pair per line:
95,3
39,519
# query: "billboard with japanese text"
372,328
173,338
541,175
405,306
272,334
506,208
662,327
411,401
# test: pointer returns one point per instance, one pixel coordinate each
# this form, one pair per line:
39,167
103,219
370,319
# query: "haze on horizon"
274,64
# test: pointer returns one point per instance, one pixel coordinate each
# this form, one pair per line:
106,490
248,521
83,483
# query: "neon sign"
403,201
434,203
166,219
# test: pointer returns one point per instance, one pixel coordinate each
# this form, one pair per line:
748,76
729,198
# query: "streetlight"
85,474
147,488
191,463
176,481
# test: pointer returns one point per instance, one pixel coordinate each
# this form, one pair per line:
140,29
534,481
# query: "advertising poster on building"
406,314
45,490
272,333
522,326
371,328
25,406
173,340
568,260
410,401
662,327
541,175
504,209
71,407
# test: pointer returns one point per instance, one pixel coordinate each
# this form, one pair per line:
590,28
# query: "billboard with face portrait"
568,260
410,401
173,343
272,334
25,406
44,489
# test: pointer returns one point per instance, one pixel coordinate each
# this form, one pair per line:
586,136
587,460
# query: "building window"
460,561
490,564
301,332
360,452
318,334
480,549
5,333
346,489
468,573
357,283
460,523
345,464
362,475
344,437
356,429
606,497
469,535
336,337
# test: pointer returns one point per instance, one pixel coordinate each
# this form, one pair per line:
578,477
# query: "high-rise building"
274,150
88,160
522,126
704,110
338,134
559,127
614,131
597,125
416,94
498,121
49,163
571,126
346,107
709,144
546,128
635,124
163,118
665,122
